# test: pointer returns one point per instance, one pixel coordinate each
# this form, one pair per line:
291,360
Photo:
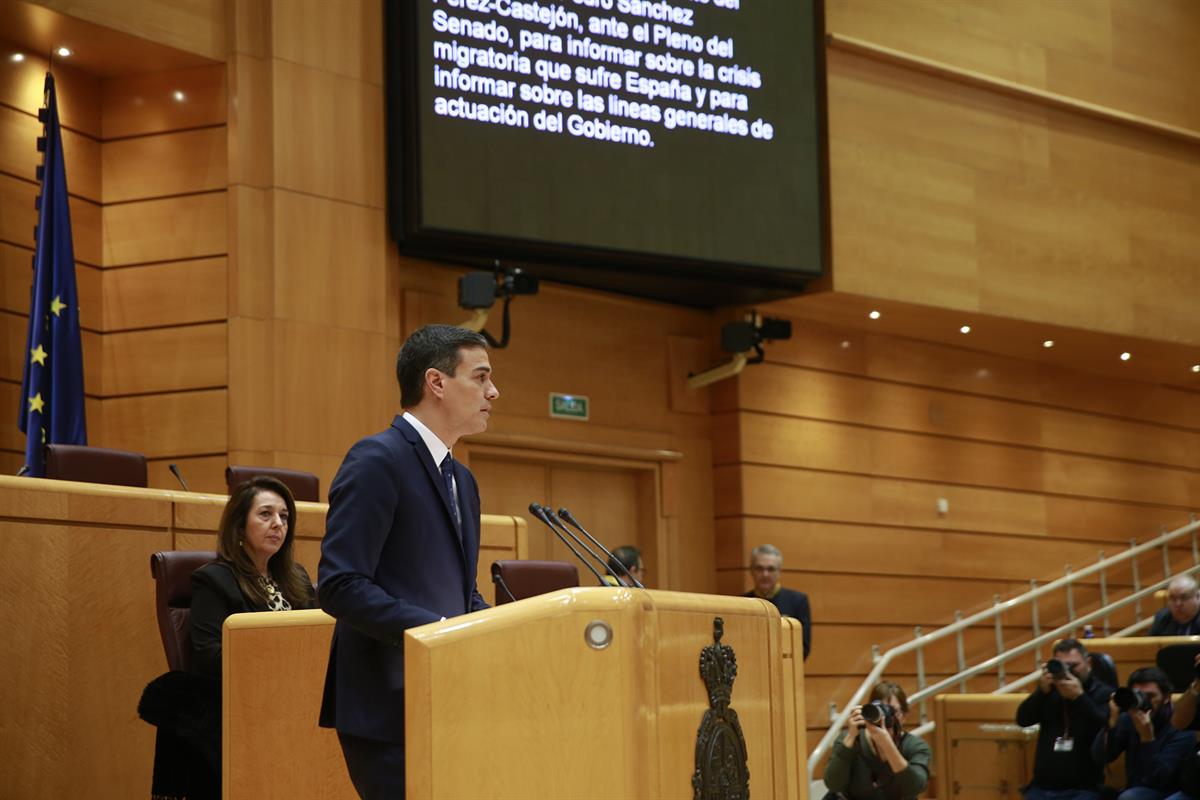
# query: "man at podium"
401,546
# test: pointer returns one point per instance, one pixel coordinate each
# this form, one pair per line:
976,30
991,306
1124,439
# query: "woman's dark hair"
282,566
886,690
433,346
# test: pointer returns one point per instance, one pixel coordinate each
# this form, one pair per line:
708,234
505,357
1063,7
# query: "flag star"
38,355
36,403
57,305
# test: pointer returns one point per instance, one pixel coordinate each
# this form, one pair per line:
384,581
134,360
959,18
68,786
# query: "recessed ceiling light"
17,58
874,315
1126,355
1048,344
1195,367
965,329
846,345
65,52
179,96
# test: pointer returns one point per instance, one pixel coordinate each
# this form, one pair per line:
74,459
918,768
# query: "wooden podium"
597,693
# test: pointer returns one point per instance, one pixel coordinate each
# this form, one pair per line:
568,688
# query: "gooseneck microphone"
24,468
543,514
175,471
498,579
570,518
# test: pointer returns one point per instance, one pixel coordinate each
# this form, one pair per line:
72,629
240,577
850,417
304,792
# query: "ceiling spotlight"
17,58
846,346
965,329
179,96
1195,367
1126,355
874,315
1048,344
65,52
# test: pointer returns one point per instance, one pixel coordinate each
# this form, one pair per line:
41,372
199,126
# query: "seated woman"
876,759
254,571
255,568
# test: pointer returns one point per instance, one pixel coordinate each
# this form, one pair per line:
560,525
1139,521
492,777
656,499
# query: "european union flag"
52,389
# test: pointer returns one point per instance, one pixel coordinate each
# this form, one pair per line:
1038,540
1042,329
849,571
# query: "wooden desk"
80,633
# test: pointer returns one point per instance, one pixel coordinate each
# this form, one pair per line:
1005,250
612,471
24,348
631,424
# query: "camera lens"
872,712
1056,668
1125,698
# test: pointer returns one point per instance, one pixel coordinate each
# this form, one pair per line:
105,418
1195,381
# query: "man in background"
631,558
766,567
1181,617
1071,706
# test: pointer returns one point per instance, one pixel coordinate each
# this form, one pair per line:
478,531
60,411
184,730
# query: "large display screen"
676,138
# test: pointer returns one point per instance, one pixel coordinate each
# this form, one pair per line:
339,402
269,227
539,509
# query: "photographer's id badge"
1064,744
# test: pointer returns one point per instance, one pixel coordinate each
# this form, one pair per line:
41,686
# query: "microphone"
498,579
542,514
569,517
24,468
175,471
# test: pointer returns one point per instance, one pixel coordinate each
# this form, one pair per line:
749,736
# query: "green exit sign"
568,406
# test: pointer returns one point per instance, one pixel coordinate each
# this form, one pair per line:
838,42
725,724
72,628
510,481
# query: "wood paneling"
341,154
955,197
155,295
194,26
22,86
19,156
137,105
149,231
316,241
203,474
183,423
183,162
326,36
1132,56
16,278
160,360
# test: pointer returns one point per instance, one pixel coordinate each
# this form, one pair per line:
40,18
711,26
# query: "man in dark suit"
401,546
1181,617
766,567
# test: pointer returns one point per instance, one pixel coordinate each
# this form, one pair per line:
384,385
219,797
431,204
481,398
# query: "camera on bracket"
1129,699
878,713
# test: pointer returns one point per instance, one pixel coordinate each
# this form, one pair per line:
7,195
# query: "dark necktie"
448,477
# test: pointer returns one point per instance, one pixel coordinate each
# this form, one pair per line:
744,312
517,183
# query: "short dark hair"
627,555
1152,675
433,346
886,690
1067,645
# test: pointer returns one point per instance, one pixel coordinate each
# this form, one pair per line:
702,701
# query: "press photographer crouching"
876,759
1139,725
1071,706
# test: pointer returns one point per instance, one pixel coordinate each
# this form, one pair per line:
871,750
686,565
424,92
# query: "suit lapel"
435,475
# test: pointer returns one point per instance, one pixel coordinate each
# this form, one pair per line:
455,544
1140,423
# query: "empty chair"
305,486
172,571
73,462
522,579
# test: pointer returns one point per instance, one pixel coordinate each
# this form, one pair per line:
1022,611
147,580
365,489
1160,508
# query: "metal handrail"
999,607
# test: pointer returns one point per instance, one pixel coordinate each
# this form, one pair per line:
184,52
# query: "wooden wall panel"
183,162
166,425
1134,57
327,37
162,360
194,26
338,115
19,157
16,273
952,196
316,242
155,295
22,87
147,231
137,105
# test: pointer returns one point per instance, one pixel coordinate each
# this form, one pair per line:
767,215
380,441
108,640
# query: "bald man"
1181,617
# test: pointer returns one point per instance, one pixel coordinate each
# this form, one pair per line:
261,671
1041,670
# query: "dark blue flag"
52,389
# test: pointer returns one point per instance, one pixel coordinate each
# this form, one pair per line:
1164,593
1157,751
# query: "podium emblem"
721,771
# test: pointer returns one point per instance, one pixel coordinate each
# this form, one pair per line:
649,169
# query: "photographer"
1139,725
1184,719
876,759
1071,706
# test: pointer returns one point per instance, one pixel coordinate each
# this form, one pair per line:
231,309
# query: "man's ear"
435,382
